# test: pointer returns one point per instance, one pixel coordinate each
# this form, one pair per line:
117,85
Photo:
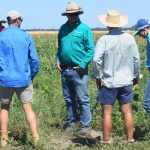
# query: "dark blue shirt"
148,51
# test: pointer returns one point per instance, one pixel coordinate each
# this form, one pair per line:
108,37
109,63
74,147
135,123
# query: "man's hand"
135,87
135,83
78,69
98,83
58,65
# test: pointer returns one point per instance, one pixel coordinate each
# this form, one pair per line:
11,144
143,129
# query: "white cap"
13,14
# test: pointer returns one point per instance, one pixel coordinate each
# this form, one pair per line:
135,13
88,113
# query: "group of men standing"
116,66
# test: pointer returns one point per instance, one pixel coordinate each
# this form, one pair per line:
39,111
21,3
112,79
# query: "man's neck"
15,24
72,23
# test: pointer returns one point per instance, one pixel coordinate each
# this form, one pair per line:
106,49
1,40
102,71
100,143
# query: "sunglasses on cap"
73,14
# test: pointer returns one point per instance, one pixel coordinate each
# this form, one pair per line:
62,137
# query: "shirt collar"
75,24
115,31
12,27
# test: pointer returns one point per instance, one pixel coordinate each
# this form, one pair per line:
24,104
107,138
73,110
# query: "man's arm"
58,64
136,65
33,59
98,59
89,48
97,62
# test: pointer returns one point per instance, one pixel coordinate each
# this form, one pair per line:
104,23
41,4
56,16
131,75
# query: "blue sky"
47,13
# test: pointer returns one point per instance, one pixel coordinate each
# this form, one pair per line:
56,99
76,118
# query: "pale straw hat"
72,8
113,18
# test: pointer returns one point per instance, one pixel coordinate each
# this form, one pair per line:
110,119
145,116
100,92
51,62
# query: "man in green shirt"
75,51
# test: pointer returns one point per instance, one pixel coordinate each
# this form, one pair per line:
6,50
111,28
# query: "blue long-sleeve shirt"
19,62
75,45
148,51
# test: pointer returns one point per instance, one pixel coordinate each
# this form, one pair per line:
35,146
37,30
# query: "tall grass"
49,104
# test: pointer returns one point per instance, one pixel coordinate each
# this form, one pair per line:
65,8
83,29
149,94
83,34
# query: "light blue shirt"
116,60
19,62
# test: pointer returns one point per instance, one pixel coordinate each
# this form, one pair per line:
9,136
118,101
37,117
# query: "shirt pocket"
77,42
77,38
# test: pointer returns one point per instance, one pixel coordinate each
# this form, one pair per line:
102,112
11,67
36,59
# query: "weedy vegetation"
50,108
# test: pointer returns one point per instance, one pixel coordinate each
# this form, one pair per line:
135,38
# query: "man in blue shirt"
143,30
19,64
75,51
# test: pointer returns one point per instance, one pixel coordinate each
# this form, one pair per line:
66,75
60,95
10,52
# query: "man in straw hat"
18,67
116,66
2,28
143,30
75,51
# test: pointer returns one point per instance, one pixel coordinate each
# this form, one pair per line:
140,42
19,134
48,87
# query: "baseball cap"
13,14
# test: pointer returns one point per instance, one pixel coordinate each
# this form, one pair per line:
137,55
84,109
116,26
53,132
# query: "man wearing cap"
116,66
75,51
19,64
2,28
143,30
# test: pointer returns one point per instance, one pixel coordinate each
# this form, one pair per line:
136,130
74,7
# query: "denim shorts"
24,94
108,96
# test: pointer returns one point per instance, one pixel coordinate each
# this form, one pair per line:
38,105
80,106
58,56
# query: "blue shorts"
108,96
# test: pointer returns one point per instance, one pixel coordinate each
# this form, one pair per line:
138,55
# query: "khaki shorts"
24,94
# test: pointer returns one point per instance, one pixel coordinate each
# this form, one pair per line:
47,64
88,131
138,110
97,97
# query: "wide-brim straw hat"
2,20
113,18
72,8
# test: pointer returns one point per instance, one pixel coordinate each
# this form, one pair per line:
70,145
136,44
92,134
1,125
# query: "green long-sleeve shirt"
75,45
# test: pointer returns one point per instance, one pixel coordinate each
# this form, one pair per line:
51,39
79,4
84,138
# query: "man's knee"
107,109
27,107
126,108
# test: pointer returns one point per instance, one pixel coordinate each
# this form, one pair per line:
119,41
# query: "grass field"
50,108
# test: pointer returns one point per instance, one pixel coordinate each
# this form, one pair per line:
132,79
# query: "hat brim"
70,12
137,32
123,21
2,21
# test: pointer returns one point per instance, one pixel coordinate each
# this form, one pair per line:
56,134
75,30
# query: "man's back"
16,47
119,58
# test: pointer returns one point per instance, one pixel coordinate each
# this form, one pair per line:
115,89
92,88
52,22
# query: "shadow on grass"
82,141
140,134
